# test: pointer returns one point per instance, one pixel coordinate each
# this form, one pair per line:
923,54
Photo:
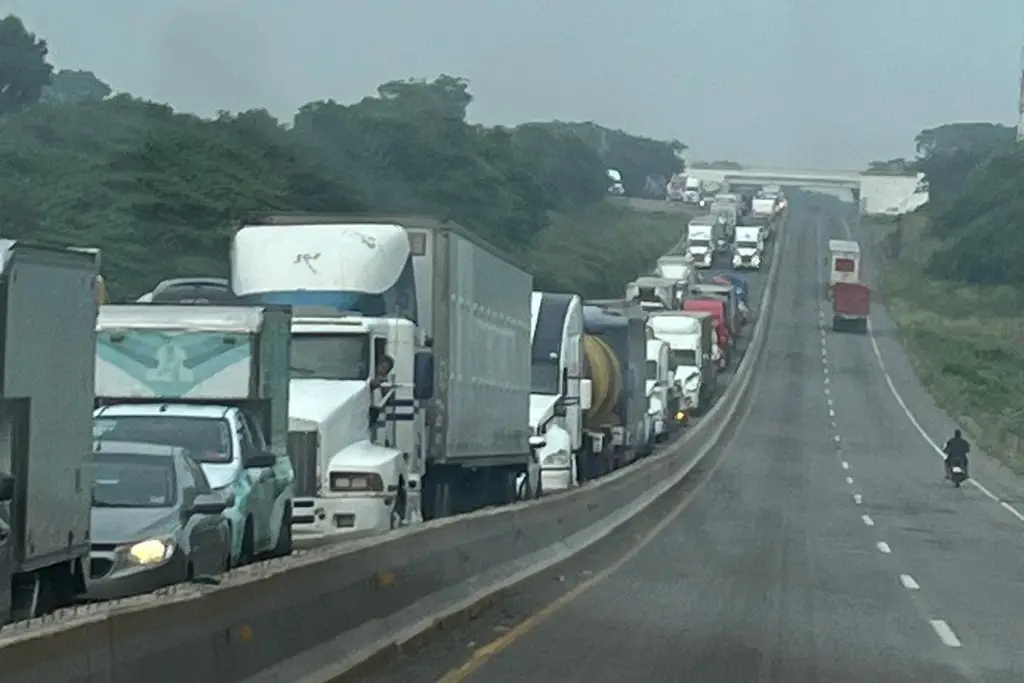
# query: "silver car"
155,521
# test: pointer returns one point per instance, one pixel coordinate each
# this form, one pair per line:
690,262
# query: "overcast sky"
780,82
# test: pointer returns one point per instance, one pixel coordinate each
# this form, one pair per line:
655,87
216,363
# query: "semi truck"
460,373
616,353
560,394
690,336
48,304
844,263
704,236
748,248
213,380
661,394
654,293
851,306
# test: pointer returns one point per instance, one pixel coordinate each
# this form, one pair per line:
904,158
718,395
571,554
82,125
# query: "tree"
24,71
891,167
724,165
70,86
948,153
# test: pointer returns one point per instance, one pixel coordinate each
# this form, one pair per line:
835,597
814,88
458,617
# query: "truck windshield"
683,357
125,480
207,439
746,244
545,378
330,356
699,242
652,369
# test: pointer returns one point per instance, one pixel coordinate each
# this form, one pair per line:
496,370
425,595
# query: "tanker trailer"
625,336
600,422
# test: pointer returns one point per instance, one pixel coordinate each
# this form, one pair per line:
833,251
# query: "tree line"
159,191
975,172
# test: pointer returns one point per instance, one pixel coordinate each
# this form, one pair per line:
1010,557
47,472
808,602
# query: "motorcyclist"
956,450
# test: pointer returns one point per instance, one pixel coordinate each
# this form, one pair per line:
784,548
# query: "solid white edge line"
909,583
913,420
884,547
945,633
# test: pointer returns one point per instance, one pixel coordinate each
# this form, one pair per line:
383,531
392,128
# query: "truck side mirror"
586,394
6,488
423,375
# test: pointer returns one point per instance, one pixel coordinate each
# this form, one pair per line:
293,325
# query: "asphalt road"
825,545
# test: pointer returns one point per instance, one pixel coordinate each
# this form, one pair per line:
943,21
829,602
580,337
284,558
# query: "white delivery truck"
48,312
763,207
748,248
659,385
690,336
704,234
464,390
844,263
214,381
559,393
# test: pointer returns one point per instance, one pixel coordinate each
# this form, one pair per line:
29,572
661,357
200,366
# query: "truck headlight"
356,482
559,459
150,551
756,260
736,260
692,383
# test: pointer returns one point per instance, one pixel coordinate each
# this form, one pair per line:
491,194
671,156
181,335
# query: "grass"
598,250
965,341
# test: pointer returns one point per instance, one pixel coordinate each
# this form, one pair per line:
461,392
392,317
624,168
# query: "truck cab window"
330,356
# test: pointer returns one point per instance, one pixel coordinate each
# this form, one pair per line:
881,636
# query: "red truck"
851,304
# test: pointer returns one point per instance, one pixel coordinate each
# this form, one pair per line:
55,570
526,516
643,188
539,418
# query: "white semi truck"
560,395
48,311
451,314
213,380
705,235
748,248
689,336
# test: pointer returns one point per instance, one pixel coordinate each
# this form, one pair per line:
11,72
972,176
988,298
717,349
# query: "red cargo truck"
851,304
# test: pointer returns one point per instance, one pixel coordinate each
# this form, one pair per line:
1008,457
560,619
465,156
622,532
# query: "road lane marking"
836,438
908,582
849,480
945,633
846,465
867,520
884,547
481,655
857,498
830,402
831,413
877,352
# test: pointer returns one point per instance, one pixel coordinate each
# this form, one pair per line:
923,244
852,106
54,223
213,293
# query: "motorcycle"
957,475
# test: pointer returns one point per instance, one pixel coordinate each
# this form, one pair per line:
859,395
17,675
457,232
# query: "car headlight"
559,459
150,551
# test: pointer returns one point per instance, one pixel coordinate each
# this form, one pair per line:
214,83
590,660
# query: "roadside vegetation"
159,191
954,281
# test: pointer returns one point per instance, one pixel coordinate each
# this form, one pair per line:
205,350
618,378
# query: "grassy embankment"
598,250
964,340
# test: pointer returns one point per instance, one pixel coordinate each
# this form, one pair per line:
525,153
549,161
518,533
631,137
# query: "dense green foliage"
891,167
159,192
724,165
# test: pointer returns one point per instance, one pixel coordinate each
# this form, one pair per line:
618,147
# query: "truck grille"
302,449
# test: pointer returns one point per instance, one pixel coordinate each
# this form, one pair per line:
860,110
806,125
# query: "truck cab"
660,389
748,248
689,356
653,293
702,237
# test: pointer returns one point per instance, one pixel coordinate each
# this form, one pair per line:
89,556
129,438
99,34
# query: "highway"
823,544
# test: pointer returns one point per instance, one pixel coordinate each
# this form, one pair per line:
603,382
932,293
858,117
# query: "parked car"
156,521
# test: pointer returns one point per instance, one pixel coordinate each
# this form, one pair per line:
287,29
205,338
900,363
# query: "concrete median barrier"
327,610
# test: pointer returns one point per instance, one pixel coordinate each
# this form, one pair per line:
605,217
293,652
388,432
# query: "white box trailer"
844,263
48,321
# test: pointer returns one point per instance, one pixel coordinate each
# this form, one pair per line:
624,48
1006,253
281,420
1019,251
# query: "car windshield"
330,356
131,480
684,357
207,439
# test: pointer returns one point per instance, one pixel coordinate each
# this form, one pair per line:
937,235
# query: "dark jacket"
957,449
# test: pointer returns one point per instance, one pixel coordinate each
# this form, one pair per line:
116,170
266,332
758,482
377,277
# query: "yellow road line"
484,653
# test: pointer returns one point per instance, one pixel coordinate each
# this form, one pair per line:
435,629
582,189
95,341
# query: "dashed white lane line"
846,465
883,547
908,582
913,420
831,412
867,520
849,480
857,498
945,633
830,403
836,438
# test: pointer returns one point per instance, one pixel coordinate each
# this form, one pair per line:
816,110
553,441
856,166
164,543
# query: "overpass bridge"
875,193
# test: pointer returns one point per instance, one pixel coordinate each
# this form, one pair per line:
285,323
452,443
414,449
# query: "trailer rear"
851,306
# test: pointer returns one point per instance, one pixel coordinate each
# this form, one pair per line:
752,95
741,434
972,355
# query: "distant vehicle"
615,186
191,290
155,521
